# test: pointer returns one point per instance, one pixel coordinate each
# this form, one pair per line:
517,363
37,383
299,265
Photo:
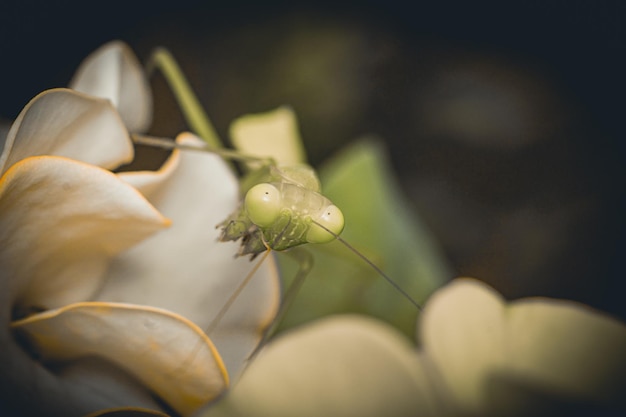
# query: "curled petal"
61,221
273,134
148,183
164,351
113,72
338,366
66,123
186,269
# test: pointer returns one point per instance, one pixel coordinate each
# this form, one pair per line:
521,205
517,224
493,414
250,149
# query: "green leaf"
271,134
379,224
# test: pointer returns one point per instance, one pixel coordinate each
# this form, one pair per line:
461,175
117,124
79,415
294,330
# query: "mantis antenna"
371,264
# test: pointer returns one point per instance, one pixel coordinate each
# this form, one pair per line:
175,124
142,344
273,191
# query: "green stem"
191,108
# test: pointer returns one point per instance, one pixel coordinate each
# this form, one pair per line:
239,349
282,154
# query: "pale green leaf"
273,134
380,224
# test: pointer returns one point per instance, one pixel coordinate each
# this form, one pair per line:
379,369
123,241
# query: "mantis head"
264,203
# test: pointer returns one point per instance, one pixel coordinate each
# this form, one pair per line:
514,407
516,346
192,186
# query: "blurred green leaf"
381,225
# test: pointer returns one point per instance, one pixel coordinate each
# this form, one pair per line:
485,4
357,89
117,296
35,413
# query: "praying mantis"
282,208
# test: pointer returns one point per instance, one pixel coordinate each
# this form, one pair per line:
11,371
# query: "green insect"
282,205
284,210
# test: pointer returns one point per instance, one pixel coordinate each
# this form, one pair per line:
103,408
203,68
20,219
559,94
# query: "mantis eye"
331,219
263,204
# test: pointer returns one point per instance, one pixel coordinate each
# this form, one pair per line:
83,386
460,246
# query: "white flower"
530,356
124,301
479,356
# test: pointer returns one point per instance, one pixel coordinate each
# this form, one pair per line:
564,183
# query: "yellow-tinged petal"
529,356
113,72
340,366
61,221
165,351
567,348
462,332
273,134
63,122
185,269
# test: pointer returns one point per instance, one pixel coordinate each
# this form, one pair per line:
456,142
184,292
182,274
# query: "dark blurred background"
504,120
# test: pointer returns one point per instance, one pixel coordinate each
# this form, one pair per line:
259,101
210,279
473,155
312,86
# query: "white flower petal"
149,182
185,269
113,72
566,348
164,351
273,134
462,332
534,355
338,366
60,223
63,122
